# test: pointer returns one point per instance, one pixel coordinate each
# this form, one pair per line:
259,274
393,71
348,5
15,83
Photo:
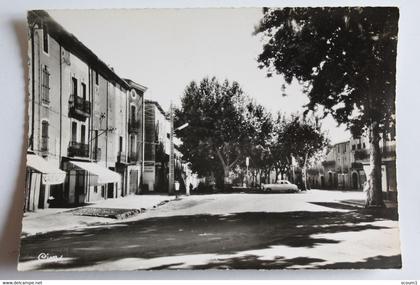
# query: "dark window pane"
45,39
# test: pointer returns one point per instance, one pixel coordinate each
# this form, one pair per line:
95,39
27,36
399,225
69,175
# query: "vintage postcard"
223,138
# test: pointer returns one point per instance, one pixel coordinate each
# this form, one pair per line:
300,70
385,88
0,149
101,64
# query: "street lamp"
182,127
247,174
171,156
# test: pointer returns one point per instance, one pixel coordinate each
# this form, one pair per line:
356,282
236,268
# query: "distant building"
346,164
157,148
157,151
136,147
361,151
337,166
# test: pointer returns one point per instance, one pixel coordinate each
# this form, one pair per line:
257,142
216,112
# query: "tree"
304,139
280,152
218,130
346,59
280,155
260,131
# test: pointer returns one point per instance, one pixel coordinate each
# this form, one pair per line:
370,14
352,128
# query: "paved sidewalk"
56,219
361,203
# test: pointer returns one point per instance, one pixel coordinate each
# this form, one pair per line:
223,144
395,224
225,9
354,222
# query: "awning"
51,174
104,174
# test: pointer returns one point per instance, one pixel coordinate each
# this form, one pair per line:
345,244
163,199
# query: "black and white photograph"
211,138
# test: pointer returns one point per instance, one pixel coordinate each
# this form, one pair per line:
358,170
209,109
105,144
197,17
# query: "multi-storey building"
43,175
157,148
361,163
135,131
346,166
340,170
337,167
78,121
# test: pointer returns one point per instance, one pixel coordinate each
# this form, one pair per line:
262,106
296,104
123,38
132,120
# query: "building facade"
79,111
135,131
347,165
157,148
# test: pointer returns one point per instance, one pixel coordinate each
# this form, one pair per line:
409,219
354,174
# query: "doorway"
355,181
110,190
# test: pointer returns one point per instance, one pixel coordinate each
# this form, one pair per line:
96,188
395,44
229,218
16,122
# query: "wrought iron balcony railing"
133,157
389,150
122,156
134,126
328,164
78,149
357,166
79,108
361,154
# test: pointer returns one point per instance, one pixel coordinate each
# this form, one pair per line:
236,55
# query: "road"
312,229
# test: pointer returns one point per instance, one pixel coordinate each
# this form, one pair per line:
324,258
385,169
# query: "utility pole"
143,139
171,155
247,169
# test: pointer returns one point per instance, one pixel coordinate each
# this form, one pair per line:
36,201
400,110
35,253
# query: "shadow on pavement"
255,262
377,262
378,213
335,205
197,234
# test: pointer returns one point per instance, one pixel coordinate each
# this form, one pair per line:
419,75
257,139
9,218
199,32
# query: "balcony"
132,157
79,108
134,126
361,154
357,166
96,154
121,157
328,164
389,150
78,149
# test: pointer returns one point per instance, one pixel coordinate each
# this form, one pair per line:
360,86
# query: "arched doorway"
330,179
355,180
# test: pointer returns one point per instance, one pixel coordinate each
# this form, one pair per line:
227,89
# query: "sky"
165,49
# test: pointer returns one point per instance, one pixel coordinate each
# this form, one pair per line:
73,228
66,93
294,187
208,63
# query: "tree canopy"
345,56
302,139
218,128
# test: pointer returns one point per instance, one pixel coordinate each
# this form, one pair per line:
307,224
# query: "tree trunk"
226,171
226,167
267,175
374,192
277,174
304,172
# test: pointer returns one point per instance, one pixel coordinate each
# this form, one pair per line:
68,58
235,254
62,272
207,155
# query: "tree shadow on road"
197,234
379,213
377,262
255,262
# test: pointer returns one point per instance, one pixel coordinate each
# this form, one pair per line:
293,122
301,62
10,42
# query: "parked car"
280,186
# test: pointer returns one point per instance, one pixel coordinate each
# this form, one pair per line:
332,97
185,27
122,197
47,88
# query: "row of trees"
346,58
226,126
